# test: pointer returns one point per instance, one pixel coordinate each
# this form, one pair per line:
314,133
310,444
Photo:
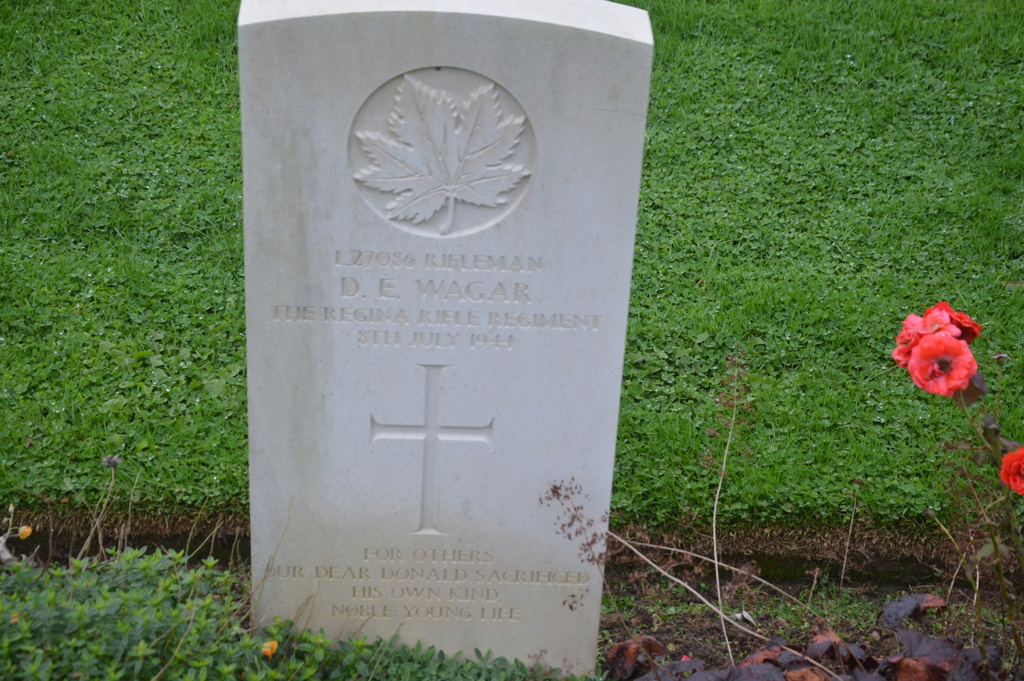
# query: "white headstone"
440,202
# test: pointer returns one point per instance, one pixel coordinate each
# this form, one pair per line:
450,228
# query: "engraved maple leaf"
437,152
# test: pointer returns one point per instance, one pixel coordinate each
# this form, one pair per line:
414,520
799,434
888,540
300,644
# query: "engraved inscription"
458,262
284,572
403,299
473,291
441,152
462,584
363,612
431,433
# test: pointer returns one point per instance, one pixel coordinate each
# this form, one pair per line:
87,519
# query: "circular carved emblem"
442,152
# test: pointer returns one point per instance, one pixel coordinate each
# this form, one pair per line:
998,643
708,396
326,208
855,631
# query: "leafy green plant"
141,615
137,615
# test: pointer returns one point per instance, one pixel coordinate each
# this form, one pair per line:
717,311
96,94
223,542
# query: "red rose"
942,313
941,364
913,328
1012,470
941,319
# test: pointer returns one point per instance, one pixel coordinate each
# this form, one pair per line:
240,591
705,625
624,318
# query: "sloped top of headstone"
600,16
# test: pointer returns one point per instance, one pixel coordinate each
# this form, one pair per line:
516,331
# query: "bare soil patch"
640,601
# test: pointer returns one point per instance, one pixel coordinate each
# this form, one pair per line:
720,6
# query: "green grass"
122,324
814,172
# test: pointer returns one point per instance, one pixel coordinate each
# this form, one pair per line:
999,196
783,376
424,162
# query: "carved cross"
432,434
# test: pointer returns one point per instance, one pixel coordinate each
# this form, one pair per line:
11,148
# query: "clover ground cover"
814,172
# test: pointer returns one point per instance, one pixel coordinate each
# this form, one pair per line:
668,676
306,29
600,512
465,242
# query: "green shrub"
150,616
127,618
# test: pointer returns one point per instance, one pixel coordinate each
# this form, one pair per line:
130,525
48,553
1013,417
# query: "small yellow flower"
269,648
24,532
15,617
